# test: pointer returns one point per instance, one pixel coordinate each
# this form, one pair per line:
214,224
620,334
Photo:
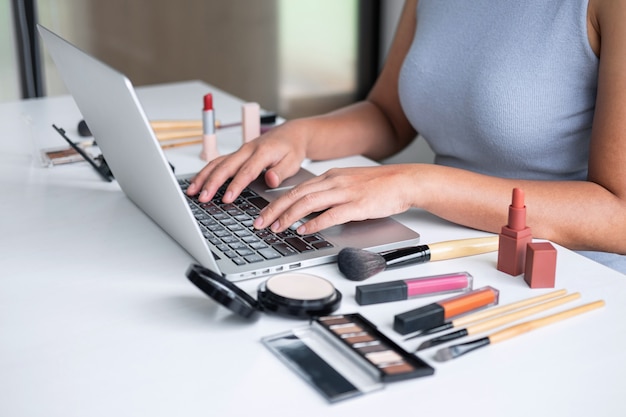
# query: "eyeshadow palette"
343,356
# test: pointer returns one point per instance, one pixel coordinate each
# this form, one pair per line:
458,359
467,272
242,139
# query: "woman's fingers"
339,196
279,158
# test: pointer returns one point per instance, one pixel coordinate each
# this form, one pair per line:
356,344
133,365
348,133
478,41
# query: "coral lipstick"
514,237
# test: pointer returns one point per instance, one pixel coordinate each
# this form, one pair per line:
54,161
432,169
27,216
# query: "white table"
98,319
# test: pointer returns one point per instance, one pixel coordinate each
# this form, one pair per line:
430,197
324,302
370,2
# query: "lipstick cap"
540,265
425,317
381,293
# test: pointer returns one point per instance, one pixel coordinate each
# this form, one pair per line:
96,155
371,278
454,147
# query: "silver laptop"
108,103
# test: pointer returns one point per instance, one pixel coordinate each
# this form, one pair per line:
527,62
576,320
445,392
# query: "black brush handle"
406,256
448,337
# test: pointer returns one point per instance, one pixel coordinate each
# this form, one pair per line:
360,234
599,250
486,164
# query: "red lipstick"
209,139
514,237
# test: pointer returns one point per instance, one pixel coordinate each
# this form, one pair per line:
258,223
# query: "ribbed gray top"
506,88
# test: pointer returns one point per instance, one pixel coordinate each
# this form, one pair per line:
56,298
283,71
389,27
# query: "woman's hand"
342,195
280,152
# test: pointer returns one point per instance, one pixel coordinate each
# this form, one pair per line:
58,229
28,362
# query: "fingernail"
204,194
258,222
228,196
275,226
301,230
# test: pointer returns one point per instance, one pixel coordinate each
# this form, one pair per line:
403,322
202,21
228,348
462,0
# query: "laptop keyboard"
228,227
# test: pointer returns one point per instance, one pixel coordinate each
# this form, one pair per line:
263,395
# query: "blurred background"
295,57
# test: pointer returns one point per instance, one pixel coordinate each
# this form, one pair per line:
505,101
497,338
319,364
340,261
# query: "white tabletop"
98,319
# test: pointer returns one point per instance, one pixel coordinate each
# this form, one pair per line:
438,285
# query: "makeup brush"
184,128
498,321
485,314
455,351
359,264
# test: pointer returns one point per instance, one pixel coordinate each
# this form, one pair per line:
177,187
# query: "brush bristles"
358,264
445,354
455,351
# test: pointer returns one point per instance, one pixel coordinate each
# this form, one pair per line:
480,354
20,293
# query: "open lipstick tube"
414,287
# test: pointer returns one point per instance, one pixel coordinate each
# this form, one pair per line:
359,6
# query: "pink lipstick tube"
415,287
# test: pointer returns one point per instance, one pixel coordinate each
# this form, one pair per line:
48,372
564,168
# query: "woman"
508,94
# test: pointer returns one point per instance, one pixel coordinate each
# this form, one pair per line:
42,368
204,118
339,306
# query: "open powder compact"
291,294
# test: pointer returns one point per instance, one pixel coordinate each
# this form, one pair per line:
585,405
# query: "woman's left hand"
341,195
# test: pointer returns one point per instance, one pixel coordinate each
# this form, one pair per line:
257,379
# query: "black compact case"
295,295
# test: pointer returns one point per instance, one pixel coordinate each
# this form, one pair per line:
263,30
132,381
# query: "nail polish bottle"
514,237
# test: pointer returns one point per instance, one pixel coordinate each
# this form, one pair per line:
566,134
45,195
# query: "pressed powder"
299,286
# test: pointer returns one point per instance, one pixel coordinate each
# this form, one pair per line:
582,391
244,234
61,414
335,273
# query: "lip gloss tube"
438,313
415,287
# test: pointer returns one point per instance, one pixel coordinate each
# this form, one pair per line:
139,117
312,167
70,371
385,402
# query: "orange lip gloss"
438,313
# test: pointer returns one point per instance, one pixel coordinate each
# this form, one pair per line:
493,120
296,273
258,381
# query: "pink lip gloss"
209,139
415,287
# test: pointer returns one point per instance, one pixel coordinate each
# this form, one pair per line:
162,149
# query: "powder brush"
455,351
359,264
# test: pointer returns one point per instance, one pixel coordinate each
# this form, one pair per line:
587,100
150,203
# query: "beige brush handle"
527,326
516,315
178,134
494,311
158,125
463,247
181,143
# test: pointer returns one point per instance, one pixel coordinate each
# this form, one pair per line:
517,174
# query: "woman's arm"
589,215
584,215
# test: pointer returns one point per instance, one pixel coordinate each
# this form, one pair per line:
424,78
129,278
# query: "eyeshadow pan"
331,320
399,368
372,347
383,357
364,337
346,328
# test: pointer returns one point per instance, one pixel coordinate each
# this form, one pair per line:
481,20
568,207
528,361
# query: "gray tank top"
505,88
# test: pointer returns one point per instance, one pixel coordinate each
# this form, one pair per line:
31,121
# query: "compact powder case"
291,294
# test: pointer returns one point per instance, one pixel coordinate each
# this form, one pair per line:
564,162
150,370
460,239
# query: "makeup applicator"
455,351
498,321
359,264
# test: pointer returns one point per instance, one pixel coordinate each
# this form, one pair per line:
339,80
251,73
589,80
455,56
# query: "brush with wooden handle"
455,351
497,321
489,313
359,264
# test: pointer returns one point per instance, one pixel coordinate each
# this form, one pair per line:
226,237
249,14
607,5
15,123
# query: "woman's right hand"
279,152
